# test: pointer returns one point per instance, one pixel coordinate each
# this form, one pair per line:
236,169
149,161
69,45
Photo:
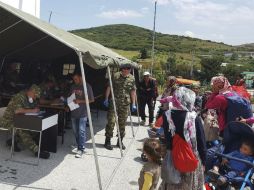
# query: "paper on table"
71,103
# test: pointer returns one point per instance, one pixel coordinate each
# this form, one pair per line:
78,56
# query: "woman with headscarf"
171,86
182,120
217,100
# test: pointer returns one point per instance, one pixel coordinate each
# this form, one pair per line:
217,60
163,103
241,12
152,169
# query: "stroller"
233,136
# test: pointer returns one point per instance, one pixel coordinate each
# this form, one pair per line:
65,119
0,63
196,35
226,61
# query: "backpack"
238,106
182,155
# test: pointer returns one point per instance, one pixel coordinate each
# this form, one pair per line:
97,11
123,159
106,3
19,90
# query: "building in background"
29,6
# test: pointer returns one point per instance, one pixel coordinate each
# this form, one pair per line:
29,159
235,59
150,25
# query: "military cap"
36,89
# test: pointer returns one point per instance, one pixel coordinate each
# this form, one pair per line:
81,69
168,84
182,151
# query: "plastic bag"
169,174
211,126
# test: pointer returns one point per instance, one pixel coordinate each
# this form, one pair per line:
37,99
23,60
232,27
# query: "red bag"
182,155
159,122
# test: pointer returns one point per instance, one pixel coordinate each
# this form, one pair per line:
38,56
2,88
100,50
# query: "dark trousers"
150,104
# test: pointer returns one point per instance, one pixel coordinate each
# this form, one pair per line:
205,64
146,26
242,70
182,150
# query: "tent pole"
133,73
2,31
114,105
2,64
90,119
27,45
132,129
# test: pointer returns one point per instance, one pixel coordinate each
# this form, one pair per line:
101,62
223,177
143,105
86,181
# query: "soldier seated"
24,102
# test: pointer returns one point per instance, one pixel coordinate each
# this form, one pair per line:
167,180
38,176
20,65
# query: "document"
70,102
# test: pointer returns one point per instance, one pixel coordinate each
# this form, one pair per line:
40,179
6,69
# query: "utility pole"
50,16
154,19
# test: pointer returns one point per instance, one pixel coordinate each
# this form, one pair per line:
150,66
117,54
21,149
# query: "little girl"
150,173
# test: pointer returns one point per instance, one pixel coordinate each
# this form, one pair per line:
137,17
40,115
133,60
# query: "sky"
227,21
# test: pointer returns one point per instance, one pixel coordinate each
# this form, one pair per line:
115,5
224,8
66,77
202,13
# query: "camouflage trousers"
25,137
122,111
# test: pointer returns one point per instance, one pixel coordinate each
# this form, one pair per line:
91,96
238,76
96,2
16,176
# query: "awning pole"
114,105
2,64
132,130
133,73
31,44
90,119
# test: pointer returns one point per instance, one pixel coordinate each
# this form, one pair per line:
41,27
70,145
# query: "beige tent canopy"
25,36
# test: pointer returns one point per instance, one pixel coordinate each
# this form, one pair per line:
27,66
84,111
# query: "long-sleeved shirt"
250,120
178,118
147,89
220,103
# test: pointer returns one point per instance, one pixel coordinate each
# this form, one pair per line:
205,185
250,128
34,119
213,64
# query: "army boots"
107,144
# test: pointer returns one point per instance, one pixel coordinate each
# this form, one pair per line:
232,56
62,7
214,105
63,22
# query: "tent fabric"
25,36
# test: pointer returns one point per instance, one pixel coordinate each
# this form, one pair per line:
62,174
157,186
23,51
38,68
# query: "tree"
234,56
143,53
171,63
211,66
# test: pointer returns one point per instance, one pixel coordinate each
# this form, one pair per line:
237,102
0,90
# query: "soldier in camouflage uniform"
125,93
23,102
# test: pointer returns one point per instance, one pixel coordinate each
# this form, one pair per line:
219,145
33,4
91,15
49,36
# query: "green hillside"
178,55
128,37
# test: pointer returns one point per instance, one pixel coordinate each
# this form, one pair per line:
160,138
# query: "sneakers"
43,154
74,150
79,154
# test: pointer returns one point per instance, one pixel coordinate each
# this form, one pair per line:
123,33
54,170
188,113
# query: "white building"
30,6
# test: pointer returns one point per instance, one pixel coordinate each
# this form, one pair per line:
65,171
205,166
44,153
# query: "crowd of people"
184,110
178,154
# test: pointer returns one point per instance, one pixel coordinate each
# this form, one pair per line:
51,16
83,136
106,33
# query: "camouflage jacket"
19,101
122,87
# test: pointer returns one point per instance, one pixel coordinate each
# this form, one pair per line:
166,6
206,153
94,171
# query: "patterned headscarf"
222,83
183,99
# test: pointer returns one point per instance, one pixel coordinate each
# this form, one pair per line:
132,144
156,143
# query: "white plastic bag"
169,174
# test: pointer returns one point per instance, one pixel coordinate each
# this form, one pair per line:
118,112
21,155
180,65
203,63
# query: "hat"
36,89
146,73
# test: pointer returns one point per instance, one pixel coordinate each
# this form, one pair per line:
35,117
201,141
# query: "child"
235,168
150,173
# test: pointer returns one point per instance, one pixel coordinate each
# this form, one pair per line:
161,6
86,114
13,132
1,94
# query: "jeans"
79,130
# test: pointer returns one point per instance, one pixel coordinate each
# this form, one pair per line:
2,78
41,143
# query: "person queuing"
147,94
24,102
151,171
182,120
125,93
171,86
79,115
220,85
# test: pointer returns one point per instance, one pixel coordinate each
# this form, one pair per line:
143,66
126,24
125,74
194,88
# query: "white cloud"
120,14
208,13
161,2
189,34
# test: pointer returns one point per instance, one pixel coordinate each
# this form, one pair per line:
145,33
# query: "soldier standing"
125,93
24,102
